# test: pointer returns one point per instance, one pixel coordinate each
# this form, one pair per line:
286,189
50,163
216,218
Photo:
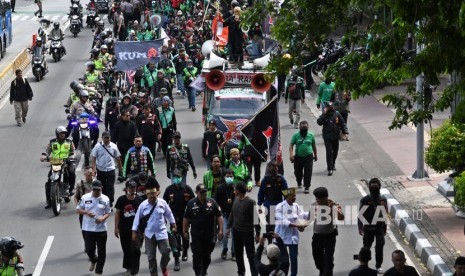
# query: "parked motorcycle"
75,25
331,53
85,134
91,14
59,185
56,49
38,63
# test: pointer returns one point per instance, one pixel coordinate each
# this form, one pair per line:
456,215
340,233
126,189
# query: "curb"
423,248
21,61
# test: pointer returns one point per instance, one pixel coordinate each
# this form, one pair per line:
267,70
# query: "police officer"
179,158
92,76
201,213
60,148
11,263
376,227
95,207
177,195
271,192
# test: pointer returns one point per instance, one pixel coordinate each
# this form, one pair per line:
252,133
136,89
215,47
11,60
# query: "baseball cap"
96,184
200,188
177,134
272,252
143,176
131,184
106,134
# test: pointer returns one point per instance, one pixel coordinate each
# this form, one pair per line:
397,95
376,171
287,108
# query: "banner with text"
132,54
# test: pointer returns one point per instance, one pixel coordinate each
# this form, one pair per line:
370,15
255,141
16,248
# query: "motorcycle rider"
40,46
74,10
56,32
92,76
60,148
11,263
78,109
74,96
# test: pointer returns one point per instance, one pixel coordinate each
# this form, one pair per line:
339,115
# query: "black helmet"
8,246
56,25
113,101
90,65
39,39
103,35
234,4
75,85
60,129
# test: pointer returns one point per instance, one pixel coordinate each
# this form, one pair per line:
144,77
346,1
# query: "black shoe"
48,205
177,266
184,256
306,191
334,168
330,172
193,109
224,254
24,120
292,121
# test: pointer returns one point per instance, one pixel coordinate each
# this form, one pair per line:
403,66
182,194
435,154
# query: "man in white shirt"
290,220
95,208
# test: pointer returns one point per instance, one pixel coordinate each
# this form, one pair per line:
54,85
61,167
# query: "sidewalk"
423,216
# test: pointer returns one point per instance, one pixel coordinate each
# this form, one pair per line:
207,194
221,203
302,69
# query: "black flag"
262,131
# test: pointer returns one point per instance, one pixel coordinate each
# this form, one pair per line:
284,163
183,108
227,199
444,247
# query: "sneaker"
18,123
233,257
92,266
224,254
306,191
164,271
330,172
184,256
178,92
380,270
128,272
48,205
299,186
193,109
177,266
296,125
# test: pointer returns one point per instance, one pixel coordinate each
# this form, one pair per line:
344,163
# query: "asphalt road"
23,176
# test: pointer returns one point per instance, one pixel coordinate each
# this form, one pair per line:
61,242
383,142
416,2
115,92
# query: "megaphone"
215,61
262,62
215,80
156,21
207,47
260,84
245,28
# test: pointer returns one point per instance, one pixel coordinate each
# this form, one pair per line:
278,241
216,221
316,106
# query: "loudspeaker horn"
215,61
215,80
207,47
262,62
260,84
156,21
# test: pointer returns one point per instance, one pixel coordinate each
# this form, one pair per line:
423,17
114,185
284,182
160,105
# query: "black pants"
108,181
255,162
332,148
131,252
96,240
323,246
281,85
308,77
202,248
303,168
345,116
166,139
369,236
183,243
246,239
151,144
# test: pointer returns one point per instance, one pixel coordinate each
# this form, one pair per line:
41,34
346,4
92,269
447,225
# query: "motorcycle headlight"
74,123
56,168
83,125
92,122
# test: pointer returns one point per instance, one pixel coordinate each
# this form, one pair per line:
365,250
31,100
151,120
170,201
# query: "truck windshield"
236,106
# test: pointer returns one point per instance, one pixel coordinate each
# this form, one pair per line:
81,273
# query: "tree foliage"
437,25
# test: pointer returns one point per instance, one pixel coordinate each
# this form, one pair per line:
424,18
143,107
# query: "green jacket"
241,173
208,181
325,91
150,78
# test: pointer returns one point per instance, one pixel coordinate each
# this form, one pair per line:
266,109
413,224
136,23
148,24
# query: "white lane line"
81,163
15,18
47,17
55,18
388,231
24,18
43,256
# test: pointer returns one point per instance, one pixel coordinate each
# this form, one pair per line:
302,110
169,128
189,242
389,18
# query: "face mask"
189,66
303,132
229,180
177,180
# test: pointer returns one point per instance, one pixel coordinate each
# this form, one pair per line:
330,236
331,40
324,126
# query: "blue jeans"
225,239
293,253
254,49
191,94
180,84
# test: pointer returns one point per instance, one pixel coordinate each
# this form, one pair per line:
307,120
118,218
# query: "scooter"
56,49
91,14
75,25
38,63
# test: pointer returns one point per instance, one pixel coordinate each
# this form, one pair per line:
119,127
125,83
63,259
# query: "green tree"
437,25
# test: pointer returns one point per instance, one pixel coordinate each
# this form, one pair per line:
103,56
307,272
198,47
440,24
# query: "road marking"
43,256
24,18
389,232
81,161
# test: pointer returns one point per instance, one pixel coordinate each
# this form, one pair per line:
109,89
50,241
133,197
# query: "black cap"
106,134
200,188
143,176
152,183
131,184
320,192
96,184
177,134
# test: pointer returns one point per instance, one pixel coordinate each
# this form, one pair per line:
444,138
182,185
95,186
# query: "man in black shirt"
177,195
125,132
364,256
212,139
20,94
277,255
201,213
400,268
224,196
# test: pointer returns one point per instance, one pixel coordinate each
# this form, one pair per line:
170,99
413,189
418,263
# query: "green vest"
187,74
74,98
61,151
92,77
149,77
148,35
166,116
10,268
99,64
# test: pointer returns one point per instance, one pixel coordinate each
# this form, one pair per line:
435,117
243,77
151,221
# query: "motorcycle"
38,63
330,54
75,25
84,130
56,49
91,14
59,185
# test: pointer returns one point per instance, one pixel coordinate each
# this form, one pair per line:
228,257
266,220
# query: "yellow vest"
61,151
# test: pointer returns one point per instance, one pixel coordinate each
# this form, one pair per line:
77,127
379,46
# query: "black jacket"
225,197
363,270
211,142
124,133
20,91
332,123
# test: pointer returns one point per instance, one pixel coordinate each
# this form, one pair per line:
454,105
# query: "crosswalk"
53,18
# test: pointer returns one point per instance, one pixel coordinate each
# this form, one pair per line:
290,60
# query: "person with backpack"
295,94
